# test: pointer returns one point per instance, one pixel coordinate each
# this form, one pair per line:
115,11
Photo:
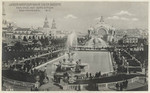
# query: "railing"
75,87
91,49
132,56
101,86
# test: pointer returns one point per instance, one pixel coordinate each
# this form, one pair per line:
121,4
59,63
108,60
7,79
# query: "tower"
4,15
53,24
46,23
101,19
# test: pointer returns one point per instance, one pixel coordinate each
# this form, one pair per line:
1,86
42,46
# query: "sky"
79,16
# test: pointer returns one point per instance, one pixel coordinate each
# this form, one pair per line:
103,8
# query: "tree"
3,46
41,39
33,37
18,46
14,37
29,37
25,39
46,41
35,41
120,42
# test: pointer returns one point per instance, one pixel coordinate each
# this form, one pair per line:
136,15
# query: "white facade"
102,30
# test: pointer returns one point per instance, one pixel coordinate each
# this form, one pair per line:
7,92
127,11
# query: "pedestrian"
117,86
96,74
87,74
79,89
126,82
99,74
2,82
121,86
59,80
90,75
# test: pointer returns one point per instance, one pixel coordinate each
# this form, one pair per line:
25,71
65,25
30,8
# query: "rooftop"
22,29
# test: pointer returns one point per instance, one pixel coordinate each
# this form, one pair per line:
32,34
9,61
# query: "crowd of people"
123,60
31,62
97,74
24,66
40,79
122,85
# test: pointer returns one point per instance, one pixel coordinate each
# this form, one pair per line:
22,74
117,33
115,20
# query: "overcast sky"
79,16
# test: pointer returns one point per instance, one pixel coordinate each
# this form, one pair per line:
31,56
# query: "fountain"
69,67
96,42
71,41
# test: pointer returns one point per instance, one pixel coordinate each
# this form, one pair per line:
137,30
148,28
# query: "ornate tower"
46,23
53,24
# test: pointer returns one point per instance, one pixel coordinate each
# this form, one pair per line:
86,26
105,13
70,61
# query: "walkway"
131,56
133,86
39,56
42,65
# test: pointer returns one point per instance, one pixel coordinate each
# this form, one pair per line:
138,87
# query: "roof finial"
101,19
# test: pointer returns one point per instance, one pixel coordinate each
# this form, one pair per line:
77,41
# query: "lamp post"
127,67
15,62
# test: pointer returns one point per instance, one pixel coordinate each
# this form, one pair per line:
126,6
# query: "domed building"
102,30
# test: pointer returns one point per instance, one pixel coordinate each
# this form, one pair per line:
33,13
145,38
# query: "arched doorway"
102,32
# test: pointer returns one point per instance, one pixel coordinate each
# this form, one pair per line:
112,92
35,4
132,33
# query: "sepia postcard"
74,46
